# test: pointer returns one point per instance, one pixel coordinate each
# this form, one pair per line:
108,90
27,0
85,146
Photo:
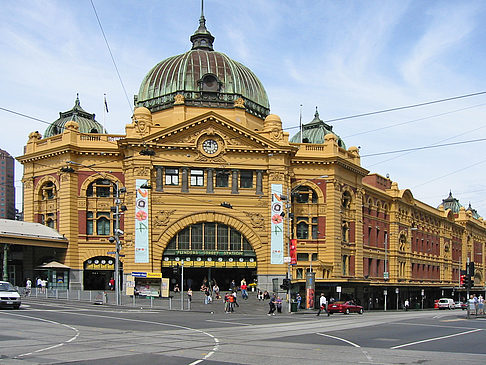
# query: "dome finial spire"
202,38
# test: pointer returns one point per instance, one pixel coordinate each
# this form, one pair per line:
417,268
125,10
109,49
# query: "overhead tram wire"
111,55
400,108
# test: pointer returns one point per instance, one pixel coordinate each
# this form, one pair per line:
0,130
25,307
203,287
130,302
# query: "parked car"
345,307
460,305
446,303
9,297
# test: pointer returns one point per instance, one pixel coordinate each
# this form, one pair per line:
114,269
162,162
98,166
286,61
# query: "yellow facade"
352,227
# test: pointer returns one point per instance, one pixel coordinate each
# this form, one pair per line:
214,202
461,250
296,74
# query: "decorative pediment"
189,133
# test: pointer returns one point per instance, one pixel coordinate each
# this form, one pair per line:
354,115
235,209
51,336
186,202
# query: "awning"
53,265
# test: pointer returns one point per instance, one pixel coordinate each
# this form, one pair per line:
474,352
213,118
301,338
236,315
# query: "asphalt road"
50,332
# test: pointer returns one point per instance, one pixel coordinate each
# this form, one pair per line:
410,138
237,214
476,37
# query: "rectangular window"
196,236
222,179
222,237
103,223
302,228
315,228
197,178
209,236
171,176
369,235
300,273
184,239
246,179
314,257
89,223
302,257
235,240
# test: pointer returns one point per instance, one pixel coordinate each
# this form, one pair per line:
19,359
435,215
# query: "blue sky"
345,57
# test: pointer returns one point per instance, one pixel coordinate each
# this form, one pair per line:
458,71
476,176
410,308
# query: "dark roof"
451,203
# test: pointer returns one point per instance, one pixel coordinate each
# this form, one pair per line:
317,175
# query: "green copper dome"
315,131
85,120
204,77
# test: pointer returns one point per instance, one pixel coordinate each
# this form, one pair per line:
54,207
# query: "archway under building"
209,252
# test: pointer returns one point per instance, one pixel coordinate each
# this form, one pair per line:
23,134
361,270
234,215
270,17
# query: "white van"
446,303
9,297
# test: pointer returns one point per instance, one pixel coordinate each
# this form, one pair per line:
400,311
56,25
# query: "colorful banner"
141,223
293,251
277,226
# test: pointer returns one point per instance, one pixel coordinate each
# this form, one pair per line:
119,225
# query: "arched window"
303,195
101,188
48,191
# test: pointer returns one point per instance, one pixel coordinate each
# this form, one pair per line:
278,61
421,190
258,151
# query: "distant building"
7,188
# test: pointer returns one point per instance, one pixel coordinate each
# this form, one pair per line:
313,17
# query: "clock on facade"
210,146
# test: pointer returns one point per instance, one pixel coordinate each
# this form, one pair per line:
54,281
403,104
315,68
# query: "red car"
344,307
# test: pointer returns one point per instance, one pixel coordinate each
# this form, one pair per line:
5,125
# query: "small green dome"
205,78
85,120
451,203
315,131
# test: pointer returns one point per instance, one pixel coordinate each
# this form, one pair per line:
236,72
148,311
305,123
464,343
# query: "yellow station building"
211,181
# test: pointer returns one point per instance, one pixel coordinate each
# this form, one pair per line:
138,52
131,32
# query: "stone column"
234,181
185,180
210,182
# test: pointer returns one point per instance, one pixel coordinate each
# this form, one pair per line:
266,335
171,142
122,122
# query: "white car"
9,297
446,303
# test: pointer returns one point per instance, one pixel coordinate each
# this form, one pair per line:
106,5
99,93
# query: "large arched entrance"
210,252
98,271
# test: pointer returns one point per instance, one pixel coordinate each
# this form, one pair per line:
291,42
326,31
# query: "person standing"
233,285
189,295
278,303
216,291
299,300
260,295
28,287
111,284
322,304
407,304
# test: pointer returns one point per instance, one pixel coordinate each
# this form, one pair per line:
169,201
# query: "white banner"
277,226
141,223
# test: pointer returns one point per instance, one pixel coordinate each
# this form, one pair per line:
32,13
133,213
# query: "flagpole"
300,123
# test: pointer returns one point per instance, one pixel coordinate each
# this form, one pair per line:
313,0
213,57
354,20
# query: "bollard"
133,300
170,303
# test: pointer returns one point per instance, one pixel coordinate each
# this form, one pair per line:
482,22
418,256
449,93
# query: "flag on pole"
106,104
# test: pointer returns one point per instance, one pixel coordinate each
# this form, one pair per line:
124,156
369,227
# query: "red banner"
293,252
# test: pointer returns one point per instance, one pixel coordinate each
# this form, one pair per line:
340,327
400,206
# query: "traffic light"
470,268
175,270
469,281
462,280
285,284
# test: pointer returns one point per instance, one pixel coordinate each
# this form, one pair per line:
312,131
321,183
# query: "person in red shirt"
111,284
244,291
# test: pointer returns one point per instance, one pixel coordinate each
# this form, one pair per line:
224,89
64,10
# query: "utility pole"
5,261
182,285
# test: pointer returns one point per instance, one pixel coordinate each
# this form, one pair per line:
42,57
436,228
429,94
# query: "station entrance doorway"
209,252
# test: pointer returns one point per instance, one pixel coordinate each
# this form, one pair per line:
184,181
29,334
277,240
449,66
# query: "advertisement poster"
277,226
293,252
141,223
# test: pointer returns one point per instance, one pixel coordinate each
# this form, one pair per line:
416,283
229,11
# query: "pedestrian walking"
231,300
111,284
216,291
244,292
322,304
260,295
271,312
406,305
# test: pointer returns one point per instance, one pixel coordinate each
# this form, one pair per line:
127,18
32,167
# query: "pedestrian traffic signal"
469,281
285,284
175,270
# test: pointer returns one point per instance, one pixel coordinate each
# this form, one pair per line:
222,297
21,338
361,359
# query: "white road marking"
215,339
368,356
434,339
48,321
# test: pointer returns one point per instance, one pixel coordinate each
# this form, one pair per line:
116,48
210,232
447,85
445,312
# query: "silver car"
9,297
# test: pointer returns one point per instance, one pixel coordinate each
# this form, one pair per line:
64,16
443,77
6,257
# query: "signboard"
130,285
140,274
397,291
141,223
276,226
338,289
386,275
287,260
385,292
164,289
